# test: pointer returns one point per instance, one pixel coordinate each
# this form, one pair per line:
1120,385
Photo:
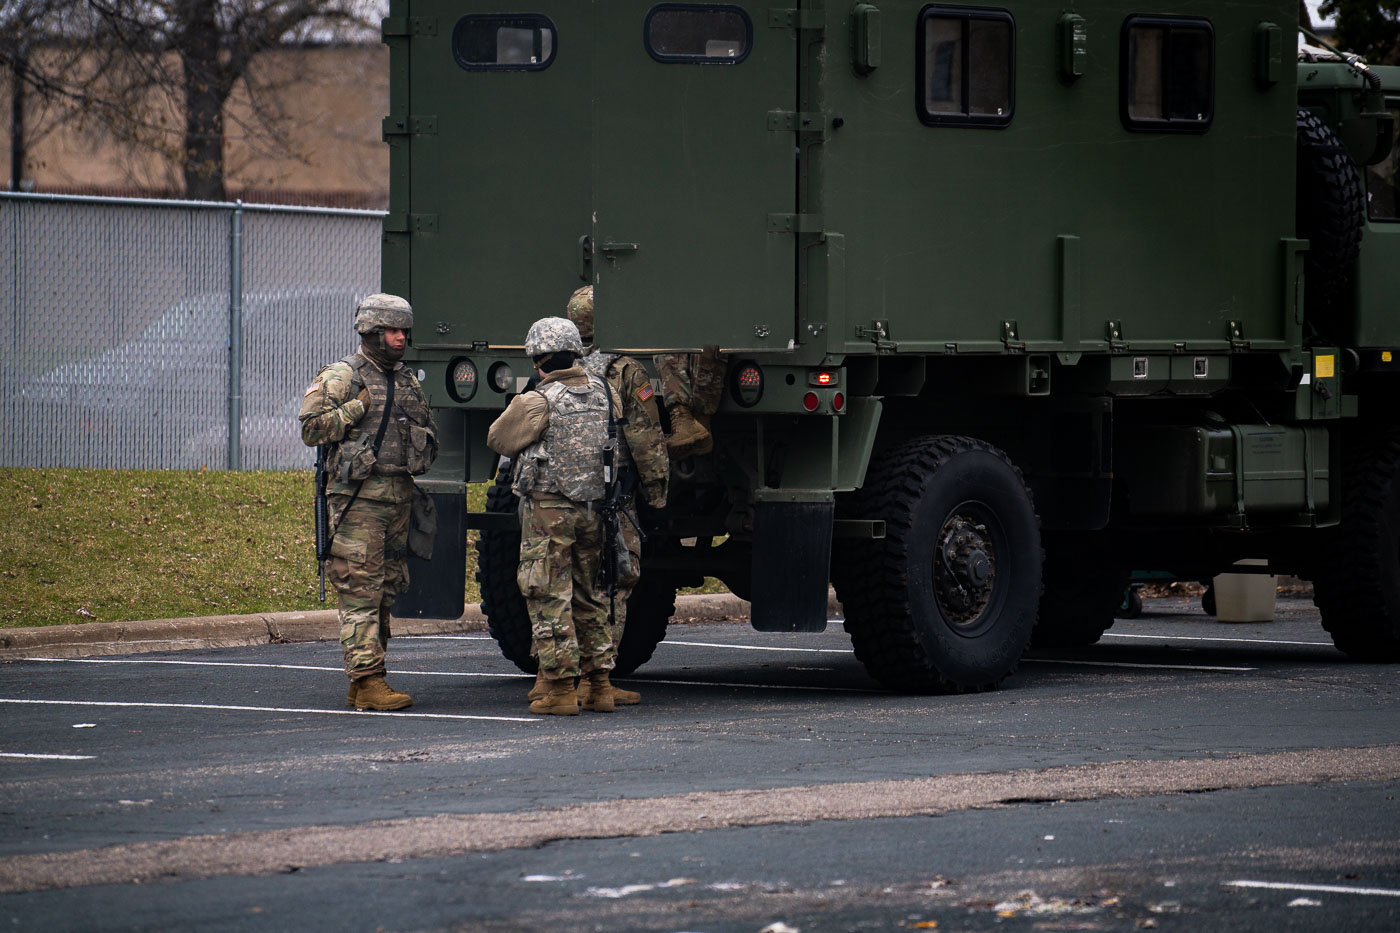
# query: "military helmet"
552,335
580,311
381,310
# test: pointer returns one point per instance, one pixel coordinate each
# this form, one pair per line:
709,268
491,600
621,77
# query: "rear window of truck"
1383,178
698,33
1168,79
966,66
504,42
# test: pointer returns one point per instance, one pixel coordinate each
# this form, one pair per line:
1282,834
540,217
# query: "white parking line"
399,672
284,667
1233,641
1155,667
260,709
47,757
1318,888
713,644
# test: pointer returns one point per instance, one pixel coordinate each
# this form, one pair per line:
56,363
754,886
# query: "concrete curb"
94,639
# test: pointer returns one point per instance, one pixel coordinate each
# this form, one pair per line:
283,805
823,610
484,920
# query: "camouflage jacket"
332,414
634,403
565,456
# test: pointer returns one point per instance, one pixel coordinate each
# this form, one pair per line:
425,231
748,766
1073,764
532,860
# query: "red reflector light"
838,401
810,401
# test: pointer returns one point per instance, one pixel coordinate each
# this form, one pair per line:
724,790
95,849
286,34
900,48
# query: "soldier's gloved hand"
655,496
356,413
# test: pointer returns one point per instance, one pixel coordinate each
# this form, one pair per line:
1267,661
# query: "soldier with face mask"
556,435
374,418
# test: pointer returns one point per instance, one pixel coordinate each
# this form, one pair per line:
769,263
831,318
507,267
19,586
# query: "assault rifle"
620,486
323,517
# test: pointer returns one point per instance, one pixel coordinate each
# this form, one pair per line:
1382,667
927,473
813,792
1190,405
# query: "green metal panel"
504,169
687,171
950,231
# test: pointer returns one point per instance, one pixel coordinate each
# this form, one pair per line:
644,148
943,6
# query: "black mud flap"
437,588
791,565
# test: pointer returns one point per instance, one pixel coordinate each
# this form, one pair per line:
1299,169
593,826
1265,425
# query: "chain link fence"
137,333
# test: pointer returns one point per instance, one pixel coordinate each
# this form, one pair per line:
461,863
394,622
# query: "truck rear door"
499,193
690,170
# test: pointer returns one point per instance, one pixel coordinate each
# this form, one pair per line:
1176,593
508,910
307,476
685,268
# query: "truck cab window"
1382,202
510,42
1168,80
966,66
698,33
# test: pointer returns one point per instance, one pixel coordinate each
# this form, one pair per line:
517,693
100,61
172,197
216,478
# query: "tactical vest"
409,445
598,364
568,458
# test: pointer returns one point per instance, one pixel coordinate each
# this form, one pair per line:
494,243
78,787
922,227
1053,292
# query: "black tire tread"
1331,212
1351,582
871,585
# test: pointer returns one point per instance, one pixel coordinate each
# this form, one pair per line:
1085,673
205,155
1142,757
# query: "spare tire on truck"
1331,213
649,609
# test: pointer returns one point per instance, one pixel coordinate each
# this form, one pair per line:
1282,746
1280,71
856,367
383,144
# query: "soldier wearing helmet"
556,435
642,461
372,415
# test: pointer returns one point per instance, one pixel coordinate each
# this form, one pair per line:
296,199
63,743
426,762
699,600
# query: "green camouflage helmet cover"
552,335
381,310
580,311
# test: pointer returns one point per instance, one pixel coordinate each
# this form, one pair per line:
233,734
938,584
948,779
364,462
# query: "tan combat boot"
620,697
600,693
374,693
353,692
689,438
540,688
559,700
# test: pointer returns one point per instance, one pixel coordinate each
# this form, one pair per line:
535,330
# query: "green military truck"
1014,298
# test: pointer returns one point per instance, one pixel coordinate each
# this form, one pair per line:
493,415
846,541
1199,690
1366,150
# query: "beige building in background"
331,102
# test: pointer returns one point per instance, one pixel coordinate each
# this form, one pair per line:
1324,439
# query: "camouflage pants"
695,380
368,567
633,540
561,547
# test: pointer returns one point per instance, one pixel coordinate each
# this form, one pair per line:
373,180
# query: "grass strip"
123,545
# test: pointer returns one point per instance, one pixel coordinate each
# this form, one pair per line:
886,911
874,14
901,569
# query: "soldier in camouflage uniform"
691,387
556,435
368,400
642,459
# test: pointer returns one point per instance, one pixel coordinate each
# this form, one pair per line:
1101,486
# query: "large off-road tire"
649,608
497,558
1081,598
946,601
1331,213
1357,582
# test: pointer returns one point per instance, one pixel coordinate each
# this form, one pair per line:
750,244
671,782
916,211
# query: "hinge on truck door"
878,333
796,19
410,223
411,125
816,124
794,223
392,26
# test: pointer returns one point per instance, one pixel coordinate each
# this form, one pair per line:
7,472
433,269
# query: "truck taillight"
823,378
838,402
746,384
462,380
810,401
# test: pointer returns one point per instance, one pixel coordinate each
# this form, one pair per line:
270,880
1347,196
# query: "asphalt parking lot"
1182,774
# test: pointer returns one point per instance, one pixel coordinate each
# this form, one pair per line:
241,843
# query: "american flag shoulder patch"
645,392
